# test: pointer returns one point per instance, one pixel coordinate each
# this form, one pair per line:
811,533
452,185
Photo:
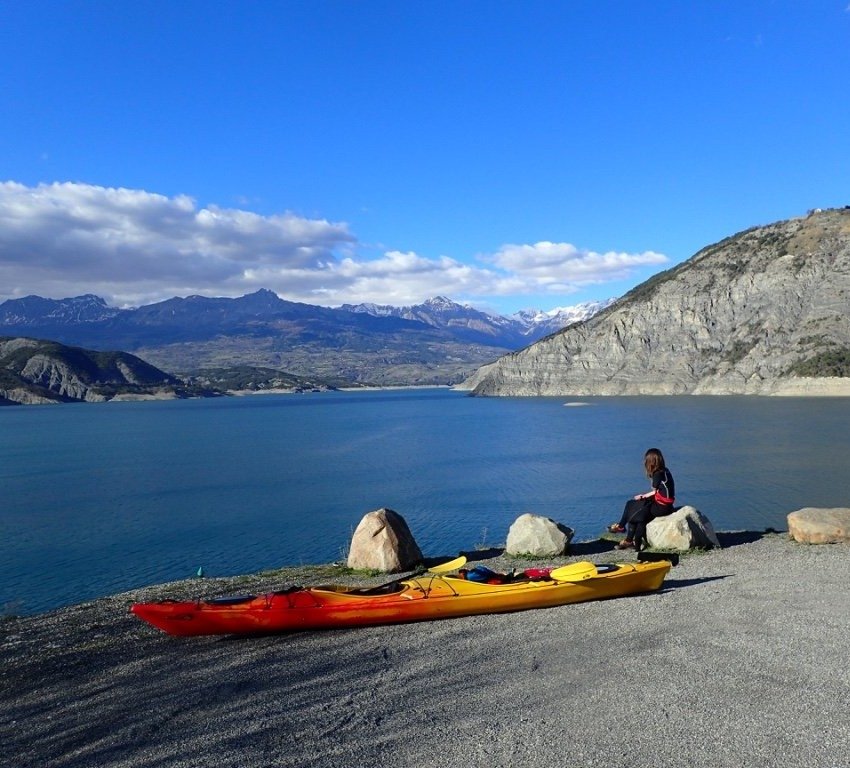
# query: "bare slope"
36,371
766,311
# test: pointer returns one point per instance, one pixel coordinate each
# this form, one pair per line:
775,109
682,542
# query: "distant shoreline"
392,387
834,386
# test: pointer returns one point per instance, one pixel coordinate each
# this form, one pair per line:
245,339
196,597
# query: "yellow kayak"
433,595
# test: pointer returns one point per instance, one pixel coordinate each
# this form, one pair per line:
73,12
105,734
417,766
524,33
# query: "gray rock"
539,536
687,528
813,525
383,542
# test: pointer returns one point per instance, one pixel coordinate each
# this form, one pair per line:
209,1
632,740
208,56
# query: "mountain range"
516,330
765,311
437,342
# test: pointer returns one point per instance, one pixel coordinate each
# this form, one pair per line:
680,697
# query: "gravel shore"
740,660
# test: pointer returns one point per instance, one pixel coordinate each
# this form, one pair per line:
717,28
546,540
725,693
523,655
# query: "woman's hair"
653,461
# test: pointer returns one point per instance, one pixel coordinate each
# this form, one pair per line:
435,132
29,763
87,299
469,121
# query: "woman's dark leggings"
637,513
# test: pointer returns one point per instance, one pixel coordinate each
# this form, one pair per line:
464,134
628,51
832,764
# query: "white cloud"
546,264
59,239
133,247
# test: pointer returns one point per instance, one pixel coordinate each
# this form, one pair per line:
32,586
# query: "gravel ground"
740,660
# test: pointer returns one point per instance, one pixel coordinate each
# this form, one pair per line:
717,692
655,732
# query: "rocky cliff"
766,311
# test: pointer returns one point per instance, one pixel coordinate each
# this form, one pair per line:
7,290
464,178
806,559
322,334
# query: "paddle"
574,572
434,570
451,565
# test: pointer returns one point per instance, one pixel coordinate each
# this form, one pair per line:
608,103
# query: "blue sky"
508,154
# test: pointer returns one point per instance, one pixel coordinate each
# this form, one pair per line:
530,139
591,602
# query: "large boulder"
686,528
383,542
813,525
536,535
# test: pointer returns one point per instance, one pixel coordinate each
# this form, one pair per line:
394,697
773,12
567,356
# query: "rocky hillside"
244,379
766,311
33,371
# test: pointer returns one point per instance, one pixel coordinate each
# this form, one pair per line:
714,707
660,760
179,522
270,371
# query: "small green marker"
201,572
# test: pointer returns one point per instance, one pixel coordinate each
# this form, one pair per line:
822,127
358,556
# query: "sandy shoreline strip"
740,660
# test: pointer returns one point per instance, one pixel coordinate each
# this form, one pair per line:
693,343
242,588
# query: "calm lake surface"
101,498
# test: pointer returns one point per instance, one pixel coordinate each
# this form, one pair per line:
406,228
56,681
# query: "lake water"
100,498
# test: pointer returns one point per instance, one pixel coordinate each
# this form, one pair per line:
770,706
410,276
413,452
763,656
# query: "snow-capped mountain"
518,329
439,312
537,321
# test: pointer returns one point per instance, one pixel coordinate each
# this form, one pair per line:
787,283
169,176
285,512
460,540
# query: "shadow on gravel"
670,584
736,538
576,549
595,547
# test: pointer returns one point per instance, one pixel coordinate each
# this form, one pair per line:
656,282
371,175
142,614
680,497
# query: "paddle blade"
451,565
574,572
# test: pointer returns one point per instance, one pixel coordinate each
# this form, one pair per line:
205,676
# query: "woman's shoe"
616,528
626,544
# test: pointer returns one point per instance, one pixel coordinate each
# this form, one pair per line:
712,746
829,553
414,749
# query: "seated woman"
657,502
